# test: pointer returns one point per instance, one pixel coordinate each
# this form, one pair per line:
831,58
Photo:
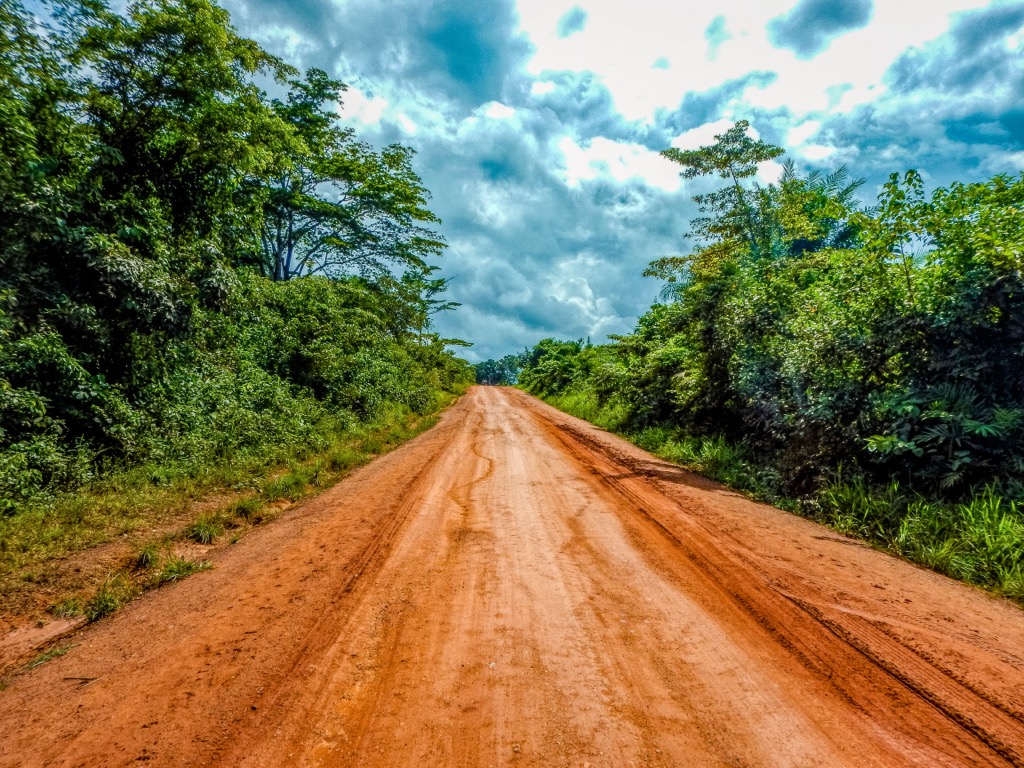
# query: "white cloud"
363,109
816,152
498,111
620,161
801,132
704,135
621,40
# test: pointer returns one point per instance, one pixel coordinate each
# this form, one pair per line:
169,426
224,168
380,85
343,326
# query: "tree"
734,156
340,207
177,122
502,372
138,161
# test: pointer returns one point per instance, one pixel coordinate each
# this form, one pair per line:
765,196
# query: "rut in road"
515,587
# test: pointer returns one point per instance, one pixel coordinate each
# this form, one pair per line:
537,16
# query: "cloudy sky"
537,123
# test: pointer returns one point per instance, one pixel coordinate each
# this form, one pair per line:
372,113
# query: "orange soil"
515,587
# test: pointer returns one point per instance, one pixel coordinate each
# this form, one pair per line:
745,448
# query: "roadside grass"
142,498
53,653
980,541
176,568
205,529
116,590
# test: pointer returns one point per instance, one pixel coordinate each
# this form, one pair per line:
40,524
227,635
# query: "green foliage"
205,529
112,594
344,457
290,486
888,339
177,568
247,509
374,214
980,541
503,372
142,171
814,334
147,556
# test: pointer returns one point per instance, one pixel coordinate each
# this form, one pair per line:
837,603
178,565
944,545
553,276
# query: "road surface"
515,587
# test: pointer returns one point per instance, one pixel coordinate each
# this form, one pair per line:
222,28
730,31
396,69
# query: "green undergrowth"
48,655
979,541
231,499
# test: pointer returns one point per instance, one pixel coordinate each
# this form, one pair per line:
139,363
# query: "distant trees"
502,372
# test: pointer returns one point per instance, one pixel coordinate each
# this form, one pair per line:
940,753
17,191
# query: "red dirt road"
515,587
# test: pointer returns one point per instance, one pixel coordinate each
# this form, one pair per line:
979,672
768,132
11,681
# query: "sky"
537,123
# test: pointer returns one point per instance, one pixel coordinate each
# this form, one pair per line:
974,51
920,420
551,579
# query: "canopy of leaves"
144,179
822,334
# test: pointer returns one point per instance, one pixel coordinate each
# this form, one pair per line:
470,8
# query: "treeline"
190,270
501,372
867,363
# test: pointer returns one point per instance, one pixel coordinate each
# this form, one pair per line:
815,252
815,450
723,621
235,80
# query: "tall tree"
734,156
340,207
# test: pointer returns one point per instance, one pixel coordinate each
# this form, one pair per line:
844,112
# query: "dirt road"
515,587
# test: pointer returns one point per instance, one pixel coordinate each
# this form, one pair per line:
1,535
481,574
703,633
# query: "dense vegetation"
863,364
191,272
501,372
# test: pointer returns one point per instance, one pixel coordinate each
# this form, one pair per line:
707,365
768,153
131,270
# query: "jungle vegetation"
194,273
863,364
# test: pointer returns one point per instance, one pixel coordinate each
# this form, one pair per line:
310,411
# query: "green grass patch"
177,568
68,607
205,529
248,509
344,457
52,653
149,495
980,541
115,592
127,500
147,556
290,486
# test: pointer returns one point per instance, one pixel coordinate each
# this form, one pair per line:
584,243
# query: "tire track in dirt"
515,587
891,665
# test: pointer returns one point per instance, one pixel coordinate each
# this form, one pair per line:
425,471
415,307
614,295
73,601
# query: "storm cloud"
812,25
573,21
553,200
448,49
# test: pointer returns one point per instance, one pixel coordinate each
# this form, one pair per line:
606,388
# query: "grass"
147,556
146,497
205,529
45,656
116,591
290,486
247,509
980,541
137,498
344,457
177,568
68,607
